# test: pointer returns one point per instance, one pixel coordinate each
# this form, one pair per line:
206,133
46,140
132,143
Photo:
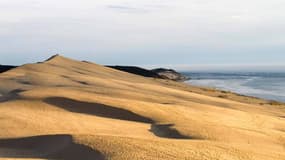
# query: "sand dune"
67,109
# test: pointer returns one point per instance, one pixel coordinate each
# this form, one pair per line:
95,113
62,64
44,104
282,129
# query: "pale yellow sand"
66,109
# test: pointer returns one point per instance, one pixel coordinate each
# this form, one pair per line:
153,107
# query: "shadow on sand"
96,109
47,146
160,130
12,95
165,131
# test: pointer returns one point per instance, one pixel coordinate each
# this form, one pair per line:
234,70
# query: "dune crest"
67,109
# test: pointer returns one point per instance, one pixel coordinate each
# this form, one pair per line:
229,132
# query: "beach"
267,85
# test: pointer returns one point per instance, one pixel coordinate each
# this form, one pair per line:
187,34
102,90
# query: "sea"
266,85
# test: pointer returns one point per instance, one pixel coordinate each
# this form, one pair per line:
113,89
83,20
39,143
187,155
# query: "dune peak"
56,56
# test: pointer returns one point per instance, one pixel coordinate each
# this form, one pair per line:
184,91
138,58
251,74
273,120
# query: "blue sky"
179,34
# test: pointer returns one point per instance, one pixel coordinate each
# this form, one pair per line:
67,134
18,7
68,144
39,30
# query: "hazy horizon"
224,68
197,68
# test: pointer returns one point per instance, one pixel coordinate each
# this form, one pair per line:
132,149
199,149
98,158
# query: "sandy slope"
66,109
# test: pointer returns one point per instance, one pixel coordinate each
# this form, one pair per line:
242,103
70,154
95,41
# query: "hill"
4,68
67,109
170,74
137,70
161,73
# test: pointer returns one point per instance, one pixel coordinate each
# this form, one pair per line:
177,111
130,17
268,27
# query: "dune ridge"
67,109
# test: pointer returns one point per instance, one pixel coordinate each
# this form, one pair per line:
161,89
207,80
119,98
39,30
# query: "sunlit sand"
68,109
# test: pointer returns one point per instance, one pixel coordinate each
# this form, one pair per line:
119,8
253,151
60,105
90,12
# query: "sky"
181,34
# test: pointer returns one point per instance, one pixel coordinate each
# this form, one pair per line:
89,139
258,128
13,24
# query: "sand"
67,109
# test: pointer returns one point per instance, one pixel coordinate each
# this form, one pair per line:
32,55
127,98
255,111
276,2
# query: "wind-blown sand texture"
67,109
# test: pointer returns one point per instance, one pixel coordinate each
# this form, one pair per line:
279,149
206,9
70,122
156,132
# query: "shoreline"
238,94
229,95
267,86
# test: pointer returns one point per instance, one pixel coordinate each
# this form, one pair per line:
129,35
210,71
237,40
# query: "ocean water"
269,86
